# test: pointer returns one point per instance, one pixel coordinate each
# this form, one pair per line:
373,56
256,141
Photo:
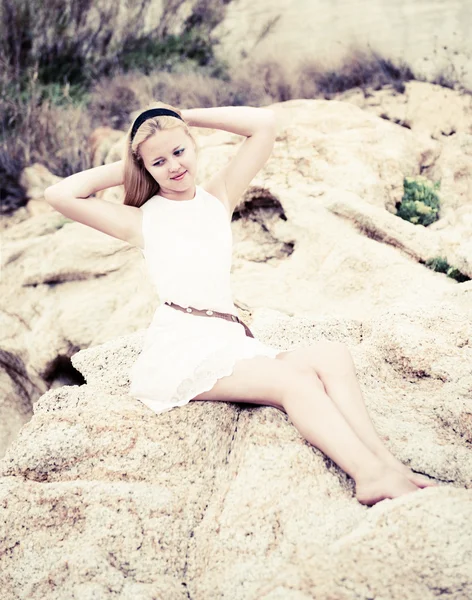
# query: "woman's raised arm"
258,125
70,197
242,120
86,183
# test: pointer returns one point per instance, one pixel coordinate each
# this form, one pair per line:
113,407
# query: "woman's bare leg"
321,423
336,370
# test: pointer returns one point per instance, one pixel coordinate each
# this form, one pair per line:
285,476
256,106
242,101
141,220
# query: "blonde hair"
138,183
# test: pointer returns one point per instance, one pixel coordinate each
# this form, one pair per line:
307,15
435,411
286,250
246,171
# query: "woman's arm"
258,125
242,120
118,220
86,183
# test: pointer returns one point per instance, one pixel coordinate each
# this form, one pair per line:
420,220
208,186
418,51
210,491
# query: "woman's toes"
422,481
389,484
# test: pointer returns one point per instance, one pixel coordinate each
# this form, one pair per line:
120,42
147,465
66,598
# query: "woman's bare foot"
385,483
419,480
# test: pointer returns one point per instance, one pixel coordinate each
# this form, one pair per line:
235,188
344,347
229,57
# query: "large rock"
434,110
101,497
315,234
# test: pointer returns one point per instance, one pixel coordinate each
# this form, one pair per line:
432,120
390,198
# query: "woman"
184,232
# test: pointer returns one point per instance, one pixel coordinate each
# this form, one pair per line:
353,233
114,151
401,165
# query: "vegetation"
63,74
365,69
420,202
51,59
420,205
441,265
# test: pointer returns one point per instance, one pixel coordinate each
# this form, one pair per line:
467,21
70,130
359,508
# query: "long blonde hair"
138,183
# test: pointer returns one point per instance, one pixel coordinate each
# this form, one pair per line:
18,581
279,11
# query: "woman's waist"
227,306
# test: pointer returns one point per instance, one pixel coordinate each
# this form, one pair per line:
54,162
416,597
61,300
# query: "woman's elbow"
51,194
57,192
271,116
267,120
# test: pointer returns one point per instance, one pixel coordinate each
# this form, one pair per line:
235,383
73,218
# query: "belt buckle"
235,318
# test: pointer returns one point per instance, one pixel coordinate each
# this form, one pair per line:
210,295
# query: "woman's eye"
159,162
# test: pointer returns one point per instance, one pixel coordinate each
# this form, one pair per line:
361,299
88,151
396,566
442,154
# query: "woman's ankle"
389,459
376,469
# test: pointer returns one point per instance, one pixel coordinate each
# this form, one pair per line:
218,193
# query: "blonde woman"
196,347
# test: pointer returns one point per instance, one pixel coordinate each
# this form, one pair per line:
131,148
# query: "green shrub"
420,202
148,54
440,265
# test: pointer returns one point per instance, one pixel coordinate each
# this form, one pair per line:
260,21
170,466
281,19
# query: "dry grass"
36,129
254,84
51,122
52,53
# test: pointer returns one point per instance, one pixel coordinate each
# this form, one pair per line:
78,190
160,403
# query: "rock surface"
315,234
432,37
101,497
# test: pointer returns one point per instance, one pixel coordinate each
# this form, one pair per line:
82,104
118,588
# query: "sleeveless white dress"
188,254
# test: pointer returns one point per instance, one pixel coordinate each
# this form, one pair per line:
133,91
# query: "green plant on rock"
148,54
420,202
440,265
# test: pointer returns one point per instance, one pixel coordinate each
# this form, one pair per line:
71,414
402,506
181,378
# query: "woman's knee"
333,358
304,384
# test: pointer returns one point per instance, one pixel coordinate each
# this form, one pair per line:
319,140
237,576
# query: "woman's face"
168,153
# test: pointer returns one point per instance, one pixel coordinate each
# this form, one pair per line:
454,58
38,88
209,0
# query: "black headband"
153,112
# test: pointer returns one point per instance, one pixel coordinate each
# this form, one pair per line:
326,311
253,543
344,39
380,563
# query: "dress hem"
205,376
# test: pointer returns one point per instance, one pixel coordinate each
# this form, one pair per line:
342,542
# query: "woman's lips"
179,177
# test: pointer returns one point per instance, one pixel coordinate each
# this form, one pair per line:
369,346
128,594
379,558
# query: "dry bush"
194,89
265,81
68,40
280,79
11,192
364,69
277,79
55,136
113,100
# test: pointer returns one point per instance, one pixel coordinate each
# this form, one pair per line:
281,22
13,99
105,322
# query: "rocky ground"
102,497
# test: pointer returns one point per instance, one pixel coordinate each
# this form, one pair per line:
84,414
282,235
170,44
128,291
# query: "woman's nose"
174,165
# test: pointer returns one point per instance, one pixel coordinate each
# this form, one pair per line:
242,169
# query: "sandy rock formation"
97,500
101,497
102,140
321,211
426,108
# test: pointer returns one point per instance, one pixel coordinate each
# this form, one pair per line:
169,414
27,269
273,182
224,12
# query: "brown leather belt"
212,313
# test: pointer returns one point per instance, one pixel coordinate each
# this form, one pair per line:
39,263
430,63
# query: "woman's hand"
242,120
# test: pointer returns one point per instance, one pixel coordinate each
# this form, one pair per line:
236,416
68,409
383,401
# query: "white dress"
188,254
